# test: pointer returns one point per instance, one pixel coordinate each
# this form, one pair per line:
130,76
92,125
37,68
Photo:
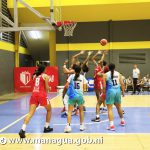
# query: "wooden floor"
114,141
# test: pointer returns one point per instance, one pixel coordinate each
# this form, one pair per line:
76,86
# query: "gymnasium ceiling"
76,10
87,10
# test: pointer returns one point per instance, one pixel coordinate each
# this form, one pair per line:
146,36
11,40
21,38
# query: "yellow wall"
46,3
33,3
85,10
10,47
97,46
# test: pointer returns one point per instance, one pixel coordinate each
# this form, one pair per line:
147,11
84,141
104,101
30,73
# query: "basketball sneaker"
112,128
76,112
101,108
63,109
48,129
82,127
123,112
97,119
22,134
122,123
104,110
84,109
64,115
67,129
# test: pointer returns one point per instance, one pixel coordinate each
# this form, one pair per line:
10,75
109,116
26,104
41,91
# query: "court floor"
135,134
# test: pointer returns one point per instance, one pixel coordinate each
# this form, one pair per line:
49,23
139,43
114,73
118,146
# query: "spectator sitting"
146,82
123,79
129,84
140,85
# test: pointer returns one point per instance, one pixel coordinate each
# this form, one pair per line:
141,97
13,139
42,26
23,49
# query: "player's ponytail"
77,72
112,68
40,70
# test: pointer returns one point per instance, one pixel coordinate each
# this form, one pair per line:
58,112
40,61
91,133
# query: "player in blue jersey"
85,69
75,83
112,86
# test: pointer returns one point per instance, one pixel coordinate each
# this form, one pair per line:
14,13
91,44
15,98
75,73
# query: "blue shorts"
113,96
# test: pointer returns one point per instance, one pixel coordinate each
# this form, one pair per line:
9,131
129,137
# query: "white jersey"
78,84
112,84
136,73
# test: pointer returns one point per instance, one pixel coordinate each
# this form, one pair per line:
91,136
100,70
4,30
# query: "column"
52,47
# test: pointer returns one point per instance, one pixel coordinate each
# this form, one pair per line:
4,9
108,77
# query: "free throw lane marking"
13,123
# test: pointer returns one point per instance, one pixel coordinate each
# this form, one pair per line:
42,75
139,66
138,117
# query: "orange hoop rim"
63,23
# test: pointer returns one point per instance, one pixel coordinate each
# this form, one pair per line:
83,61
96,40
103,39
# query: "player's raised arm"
66,70
74,57
87,58
93,58
103,56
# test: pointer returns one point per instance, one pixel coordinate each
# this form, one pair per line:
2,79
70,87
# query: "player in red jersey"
105,67
39,97
98,83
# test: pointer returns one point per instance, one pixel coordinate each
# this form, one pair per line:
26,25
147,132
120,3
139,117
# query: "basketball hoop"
68,27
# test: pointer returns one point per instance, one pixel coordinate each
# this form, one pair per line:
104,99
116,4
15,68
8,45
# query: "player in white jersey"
112,86
75,85
67,71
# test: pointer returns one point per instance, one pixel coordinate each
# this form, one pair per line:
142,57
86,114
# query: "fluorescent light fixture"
35,34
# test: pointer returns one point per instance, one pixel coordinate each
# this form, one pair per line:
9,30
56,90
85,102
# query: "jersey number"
37,81
77,85
114,82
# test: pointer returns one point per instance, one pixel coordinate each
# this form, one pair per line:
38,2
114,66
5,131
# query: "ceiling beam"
6,19
13,29
37,13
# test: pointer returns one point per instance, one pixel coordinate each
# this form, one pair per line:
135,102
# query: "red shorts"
103,96
39,99
98,85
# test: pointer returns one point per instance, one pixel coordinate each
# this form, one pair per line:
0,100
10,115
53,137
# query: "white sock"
68,124
97,116
111,123
46,124
24,127
122,119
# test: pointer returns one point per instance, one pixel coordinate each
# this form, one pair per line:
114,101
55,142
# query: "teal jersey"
112,84
76,87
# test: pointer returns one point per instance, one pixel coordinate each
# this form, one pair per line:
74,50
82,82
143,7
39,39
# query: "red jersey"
96,71
105,69
97,79
39,94
39,85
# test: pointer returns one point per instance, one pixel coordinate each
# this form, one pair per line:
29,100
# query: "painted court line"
77,124
113,133
13,123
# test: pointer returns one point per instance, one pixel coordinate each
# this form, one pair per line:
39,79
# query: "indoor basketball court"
64,39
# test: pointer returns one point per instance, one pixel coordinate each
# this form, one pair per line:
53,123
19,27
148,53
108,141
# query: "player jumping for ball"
98,84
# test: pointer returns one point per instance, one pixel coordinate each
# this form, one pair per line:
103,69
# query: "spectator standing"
136,76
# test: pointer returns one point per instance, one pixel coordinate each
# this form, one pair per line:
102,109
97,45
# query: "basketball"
103,42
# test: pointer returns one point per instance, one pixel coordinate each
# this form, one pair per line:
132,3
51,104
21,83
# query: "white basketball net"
69,28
